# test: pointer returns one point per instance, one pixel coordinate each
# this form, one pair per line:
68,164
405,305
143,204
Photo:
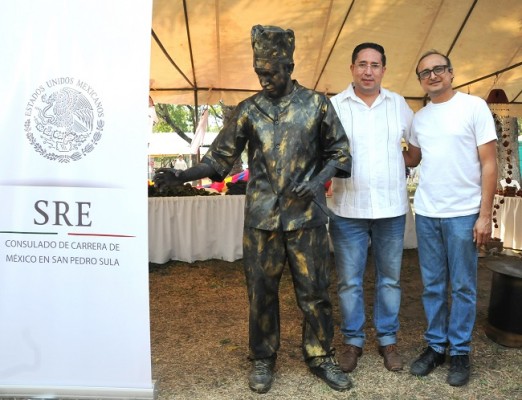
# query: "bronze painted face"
275,80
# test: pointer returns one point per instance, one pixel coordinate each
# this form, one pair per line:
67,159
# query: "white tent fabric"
162,144
169,143
201,50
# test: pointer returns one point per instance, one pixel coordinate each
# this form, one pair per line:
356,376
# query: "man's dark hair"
429,53
369,45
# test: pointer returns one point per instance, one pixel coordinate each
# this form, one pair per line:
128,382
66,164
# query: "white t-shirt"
377,187
448,135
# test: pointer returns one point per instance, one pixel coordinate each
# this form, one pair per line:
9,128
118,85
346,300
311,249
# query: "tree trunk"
162,112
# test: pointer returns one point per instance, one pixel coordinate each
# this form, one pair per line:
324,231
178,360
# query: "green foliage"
215,118
182,119
174,118
165,161
161,126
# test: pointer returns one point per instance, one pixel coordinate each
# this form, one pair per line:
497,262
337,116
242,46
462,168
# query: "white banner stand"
74,300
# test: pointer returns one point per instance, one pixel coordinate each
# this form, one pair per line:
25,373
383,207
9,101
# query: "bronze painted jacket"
290,140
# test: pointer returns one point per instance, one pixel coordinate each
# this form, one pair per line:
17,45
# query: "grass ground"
200,341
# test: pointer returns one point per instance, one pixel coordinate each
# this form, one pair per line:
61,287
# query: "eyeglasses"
437,70
363,66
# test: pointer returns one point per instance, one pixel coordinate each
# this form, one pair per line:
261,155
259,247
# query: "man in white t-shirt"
371,204
456,139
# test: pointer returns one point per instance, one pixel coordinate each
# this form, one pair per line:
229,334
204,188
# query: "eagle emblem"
64,126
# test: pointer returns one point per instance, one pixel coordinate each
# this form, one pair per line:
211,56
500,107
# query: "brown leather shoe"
392,358
348,356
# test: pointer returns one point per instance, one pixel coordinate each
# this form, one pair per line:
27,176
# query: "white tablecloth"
208,227
509,221
196,228
410,235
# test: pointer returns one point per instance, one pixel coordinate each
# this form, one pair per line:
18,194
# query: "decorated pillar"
507,134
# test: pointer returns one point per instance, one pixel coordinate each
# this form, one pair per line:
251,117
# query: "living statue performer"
296,144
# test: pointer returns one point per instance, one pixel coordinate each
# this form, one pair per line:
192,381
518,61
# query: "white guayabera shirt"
377,187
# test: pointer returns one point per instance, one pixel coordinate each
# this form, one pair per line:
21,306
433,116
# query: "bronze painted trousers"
265,254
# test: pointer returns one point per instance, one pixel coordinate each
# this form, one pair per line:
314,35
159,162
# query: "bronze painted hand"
167,177
307,189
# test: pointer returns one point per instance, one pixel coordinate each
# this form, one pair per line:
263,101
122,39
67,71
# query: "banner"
74,311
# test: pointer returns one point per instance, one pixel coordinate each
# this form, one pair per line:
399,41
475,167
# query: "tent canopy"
167,144
201,51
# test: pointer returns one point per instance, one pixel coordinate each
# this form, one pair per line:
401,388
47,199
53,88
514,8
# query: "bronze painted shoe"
328,370
262,375
348,356
392,358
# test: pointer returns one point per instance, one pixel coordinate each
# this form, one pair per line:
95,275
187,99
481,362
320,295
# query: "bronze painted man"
296,144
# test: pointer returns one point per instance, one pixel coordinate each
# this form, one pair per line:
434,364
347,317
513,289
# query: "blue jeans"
448,257
350,239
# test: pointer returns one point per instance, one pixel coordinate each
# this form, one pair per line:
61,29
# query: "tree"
174,118
182,118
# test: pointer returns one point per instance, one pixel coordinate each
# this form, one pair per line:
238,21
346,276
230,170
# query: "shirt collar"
349,93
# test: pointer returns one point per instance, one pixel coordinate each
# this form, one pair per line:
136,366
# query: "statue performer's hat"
272,45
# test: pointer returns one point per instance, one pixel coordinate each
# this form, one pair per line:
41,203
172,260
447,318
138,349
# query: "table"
196,228
504,324
509,221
